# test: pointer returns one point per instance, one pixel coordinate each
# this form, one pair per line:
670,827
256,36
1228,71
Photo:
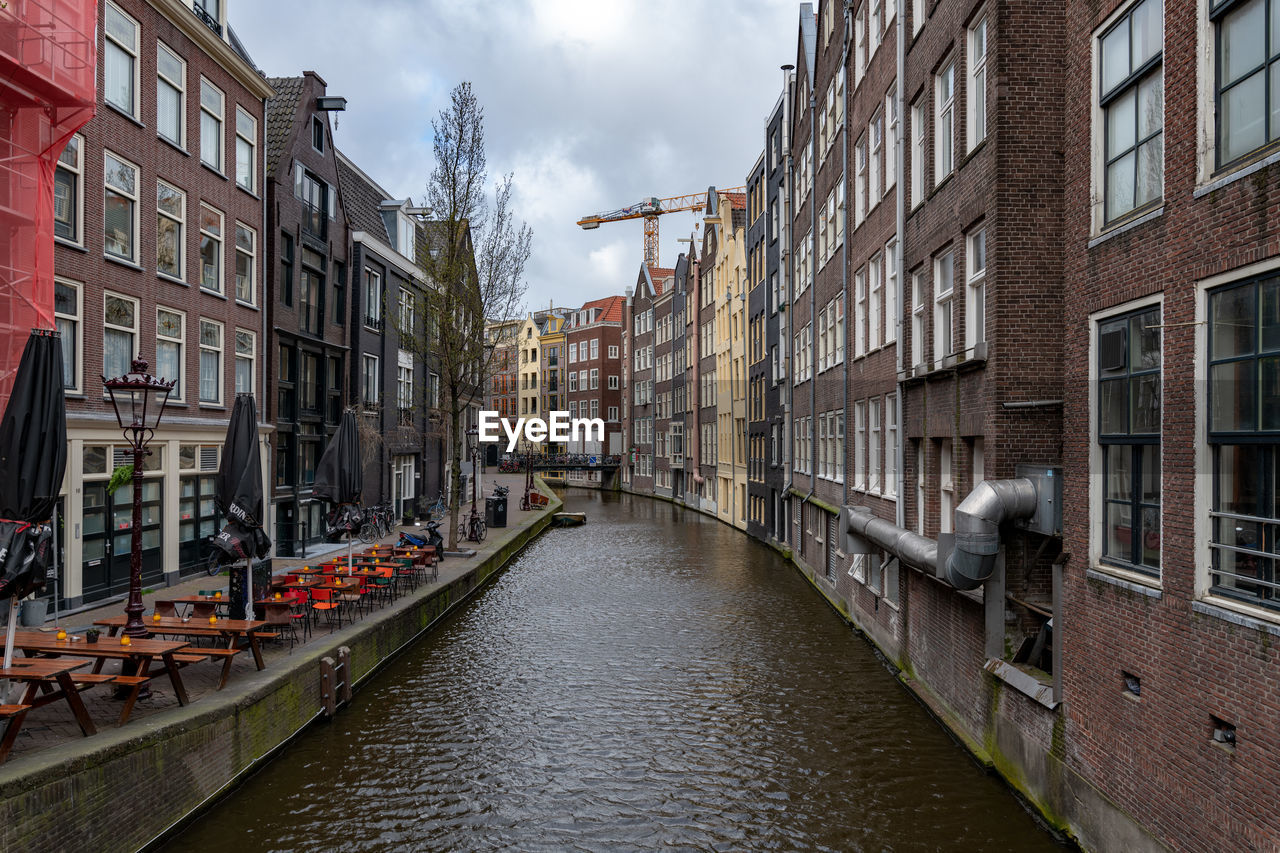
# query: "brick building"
680,424
159,254
663,358
638,403
504,379
724,276
593,347
307,336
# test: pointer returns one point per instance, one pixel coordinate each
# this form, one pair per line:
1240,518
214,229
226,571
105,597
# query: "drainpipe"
844,244
813,286
900,198
787,219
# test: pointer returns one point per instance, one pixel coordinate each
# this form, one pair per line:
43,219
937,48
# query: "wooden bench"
204,654
15,714
134,683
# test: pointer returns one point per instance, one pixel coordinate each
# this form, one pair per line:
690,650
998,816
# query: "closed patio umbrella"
33,457
340,476
238,496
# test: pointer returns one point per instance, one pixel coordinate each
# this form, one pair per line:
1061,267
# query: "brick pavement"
53,724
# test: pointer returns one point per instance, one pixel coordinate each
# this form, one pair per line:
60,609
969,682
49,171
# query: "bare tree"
473,254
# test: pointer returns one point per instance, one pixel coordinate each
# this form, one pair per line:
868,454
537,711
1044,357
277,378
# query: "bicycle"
438,510
476,529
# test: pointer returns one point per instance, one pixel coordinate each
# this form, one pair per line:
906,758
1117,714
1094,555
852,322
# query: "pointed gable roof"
808,39
362,199
610,308
282,111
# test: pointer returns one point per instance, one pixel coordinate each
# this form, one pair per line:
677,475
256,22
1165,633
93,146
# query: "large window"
1129,433
246,146
67,207
372,299
120,60
120,219
211,113
310,292
891,291
67,309
171,92
119,334
1131,97
977,94
1247,75
944,102
944,343
918,298
918,148
171,216
210,362
315,196
171,329
1244,434
370,384
891,445
246,357
891,141
246,262
210,249
976,300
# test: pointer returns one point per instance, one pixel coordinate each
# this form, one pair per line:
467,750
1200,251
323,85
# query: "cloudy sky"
592,105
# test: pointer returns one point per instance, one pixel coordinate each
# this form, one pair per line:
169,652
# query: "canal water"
652,680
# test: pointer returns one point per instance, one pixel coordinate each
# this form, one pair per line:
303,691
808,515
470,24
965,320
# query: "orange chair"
323,601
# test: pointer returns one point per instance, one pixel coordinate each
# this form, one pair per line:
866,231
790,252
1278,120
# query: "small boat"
568,519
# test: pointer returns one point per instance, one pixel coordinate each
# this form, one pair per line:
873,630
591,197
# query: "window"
873,444
595,378
171,216
891,141
317,133
860,188
370,386
1244,439
876,132
917,15
1129,432
246,355
67,308
317,201
120,60
891,445
404,381
613,352
976,299
170,336
210,125
246,146
595,408
120,334
246,255
308,383
917,153
372,299
408,318
859,445
595,348
1131,99
873,312
573,353
310,292
918,298
210,249
860,313
944,99
613,413
891,291
339,293
613,383
68,211
946,487
944,283
286,269
171,92
210,362
1247,91
121,215
977,92
920,481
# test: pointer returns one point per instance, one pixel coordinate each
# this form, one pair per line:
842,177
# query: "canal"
653,679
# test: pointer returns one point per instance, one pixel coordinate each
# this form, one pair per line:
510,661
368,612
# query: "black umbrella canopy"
340,473
238,488
33,457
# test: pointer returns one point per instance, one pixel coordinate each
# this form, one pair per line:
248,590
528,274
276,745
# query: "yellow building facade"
729,280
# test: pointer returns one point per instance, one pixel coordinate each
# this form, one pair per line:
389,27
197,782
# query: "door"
197,522
108,538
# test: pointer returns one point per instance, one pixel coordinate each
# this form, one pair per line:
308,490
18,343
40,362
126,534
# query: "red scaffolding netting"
47,64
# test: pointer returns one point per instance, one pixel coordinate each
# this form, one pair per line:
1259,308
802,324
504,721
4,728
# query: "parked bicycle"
438,510
476,528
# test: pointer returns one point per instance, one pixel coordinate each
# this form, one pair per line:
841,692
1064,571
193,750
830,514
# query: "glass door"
108,538
197,521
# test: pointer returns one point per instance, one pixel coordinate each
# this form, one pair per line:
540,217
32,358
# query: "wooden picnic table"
230,629
39,674
140,653
191,600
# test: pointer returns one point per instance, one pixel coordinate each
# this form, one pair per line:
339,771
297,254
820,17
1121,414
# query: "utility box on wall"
1048,516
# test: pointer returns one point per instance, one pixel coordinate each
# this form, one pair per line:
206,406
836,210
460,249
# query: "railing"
375,322
406,417
209,21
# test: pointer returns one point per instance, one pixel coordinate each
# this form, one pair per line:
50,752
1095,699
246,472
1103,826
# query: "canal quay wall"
1005,720
130,787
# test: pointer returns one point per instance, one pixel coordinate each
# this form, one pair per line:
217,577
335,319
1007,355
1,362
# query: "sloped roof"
282,110
362,200
659,275
610,308
738,200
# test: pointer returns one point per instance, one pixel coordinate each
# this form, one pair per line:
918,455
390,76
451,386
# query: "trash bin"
33,612
495,511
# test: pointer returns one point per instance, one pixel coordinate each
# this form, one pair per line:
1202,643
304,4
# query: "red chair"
323,601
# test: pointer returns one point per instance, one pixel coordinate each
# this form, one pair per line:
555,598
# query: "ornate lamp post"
139,399
473,447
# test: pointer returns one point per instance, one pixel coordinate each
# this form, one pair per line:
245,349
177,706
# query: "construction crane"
649,210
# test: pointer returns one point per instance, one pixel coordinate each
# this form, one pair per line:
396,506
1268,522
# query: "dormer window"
317,133
405,239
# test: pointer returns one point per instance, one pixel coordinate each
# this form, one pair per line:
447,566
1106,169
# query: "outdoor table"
232,629
36,673
306,571
140,652
190,600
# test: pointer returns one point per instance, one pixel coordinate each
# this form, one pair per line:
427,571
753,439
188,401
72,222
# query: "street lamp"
138,398
473,447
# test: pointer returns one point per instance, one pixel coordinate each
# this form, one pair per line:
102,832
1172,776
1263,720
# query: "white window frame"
919,353
860,313
919,152
917,15
180,85
874,305
944,122
891,128
220,118
920,483
875,133
891,290
874,447
944,334
135,216
220,349
134,332
251,356
860,187
595,345
133,51
891,446
613,351
247,135
946,486
975,297
573,353
179,393
181,220
976,82
75,145
77,369
860,445
219,239
251,252
372,307
370,394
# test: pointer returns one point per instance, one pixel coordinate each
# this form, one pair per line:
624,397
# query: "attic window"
317,133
